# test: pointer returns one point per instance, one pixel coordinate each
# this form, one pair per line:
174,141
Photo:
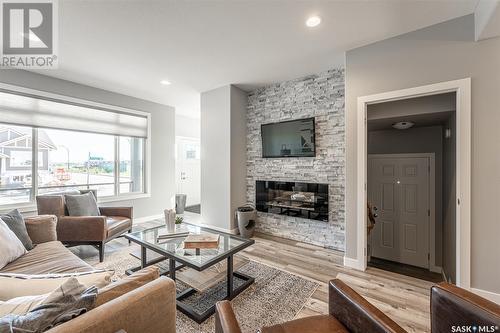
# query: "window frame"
146,193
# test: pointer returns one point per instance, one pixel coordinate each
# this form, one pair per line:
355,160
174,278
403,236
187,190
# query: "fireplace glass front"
305,200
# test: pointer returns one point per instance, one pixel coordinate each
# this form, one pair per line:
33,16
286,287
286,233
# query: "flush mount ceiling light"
165,82
402,125
313,21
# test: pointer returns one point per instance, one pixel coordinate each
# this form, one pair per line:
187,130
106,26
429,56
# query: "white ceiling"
198,45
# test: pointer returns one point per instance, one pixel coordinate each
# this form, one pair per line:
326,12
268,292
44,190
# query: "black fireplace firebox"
306,200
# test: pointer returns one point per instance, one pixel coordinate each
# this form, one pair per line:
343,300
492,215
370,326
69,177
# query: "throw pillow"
21,305
82,205
17,285
68,301
15,221
11,247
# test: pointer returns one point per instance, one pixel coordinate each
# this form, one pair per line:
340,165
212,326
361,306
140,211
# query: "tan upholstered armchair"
86,230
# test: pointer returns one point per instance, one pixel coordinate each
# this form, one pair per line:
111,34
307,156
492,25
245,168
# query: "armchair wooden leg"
101,251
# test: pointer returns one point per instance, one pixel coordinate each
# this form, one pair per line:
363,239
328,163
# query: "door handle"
375,208
375,215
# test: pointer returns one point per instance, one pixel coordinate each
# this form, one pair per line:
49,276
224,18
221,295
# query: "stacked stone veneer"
320,96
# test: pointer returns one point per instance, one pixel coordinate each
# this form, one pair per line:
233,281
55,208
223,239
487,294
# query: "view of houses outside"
66,161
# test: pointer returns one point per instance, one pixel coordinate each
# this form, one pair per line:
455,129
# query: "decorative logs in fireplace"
298,199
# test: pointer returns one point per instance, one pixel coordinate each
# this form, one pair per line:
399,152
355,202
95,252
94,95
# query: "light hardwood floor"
404,299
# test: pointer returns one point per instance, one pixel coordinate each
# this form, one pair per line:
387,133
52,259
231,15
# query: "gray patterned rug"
257,306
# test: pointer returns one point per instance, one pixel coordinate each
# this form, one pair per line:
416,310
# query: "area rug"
275,296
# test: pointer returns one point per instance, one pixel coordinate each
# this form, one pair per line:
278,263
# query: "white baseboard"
148,218
353,263
494,297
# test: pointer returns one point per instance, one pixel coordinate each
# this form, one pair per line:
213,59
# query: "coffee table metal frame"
177,262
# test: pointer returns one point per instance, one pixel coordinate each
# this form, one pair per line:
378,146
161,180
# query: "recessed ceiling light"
313,21
165,82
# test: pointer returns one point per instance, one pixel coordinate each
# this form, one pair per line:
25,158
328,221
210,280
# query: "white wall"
187,126
162,133
439,53
216,157
223,155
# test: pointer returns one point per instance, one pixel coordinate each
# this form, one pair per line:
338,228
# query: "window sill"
30,208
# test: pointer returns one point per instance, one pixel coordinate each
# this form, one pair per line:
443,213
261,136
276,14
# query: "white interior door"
398,190
188,169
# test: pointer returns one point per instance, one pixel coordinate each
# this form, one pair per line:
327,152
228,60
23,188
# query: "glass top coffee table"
199,259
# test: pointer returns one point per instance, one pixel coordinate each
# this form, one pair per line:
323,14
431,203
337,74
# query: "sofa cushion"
17,285
21,305
42,228
313,324
127,284
82,205
50,257
117,225
68,301
11,248
15,222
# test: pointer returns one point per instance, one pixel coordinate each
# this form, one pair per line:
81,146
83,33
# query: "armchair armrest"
356,313
150,308
81,228
454,306
225,320
117,211
41,228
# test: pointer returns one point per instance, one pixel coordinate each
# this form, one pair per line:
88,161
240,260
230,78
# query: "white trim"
432,200
462,88
353,263
494,297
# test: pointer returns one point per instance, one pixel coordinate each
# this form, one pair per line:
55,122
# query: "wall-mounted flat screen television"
293,138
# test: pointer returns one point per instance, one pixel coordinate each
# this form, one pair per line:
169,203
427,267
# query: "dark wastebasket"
246,217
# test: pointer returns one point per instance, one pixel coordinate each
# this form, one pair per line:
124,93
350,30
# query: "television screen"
294,138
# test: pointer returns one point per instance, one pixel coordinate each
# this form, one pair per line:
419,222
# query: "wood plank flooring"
404,299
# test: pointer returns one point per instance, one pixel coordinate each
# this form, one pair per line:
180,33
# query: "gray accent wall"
443,52
320,96
162,133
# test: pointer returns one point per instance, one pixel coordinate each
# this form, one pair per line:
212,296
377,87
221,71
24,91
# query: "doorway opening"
188,171
411,165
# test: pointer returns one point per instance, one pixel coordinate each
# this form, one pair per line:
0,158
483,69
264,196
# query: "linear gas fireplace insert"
306,200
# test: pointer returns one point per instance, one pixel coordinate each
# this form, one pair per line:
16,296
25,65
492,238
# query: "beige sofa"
142,302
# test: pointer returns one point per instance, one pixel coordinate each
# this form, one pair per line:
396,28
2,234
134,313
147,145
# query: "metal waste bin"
180,203
246,217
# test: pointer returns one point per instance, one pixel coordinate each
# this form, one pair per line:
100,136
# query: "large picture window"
67,160
52,144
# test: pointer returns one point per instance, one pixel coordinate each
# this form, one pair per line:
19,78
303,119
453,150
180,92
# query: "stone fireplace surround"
320,96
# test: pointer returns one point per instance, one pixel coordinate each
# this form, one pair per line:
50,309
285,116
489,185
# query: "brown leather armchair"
86,230
350,312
